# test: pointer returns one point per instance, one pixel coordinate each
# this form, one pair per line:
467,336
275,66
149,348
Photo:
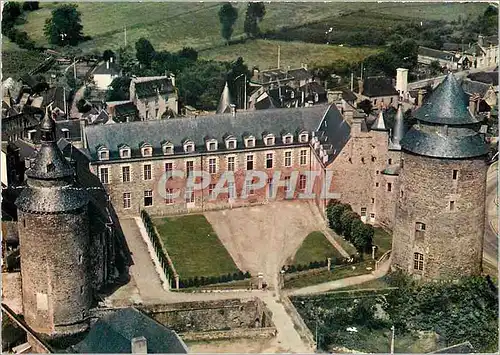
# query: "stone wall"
11,291
452,240
56,281
267,332
213,316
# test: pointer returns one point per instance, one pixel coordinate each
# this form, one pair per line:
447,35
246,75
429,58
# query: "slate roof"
266,103
113,334
446,128
225,101
447,104
471,87
123,110
300,74
55,94
434,53
376,86
462,348
485,77
155,132
148,88
348,95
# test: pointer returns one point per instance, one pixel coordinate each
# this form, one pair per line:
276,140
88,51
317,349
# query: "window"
231,190
212,145
372,215
156,113
189,168
302,182
288,139
455,174
249,162
189,198
231,144
269,140
147,114
147,151
126,173
374,102
103,155
288,159
377,172
168,149
125,153
420,226
287,184
303,138
402,194
211,189
169,196
452,205
230,163
189,147
126,200
373,158
65,132
250,142
389,161
269,160
389,187
147,172
363,160
148,198
373,200
104,175
269,187
248,187
363,211
376,184
212,165
303,157
418,261
169,167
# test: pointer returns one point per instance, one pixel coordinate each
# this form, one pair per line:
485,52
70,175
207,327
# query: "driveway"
262,238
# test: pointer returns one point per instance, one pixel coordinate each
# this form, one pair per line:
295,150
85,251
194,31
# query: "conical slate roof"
225,101
398,131
448,104
379,124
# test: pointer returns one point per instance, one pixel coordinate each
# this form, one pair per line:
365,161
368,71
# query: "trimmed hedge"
319,264
204,281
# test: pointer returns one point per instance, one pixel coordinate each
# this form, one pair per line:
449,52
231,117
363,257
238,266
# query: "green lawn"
194,247
383,240
339,272
375,284
348,247
315,248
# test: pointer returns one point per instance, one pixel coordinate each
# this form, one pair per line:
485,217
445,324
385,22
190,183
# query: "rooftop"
434,53
376,86
152,86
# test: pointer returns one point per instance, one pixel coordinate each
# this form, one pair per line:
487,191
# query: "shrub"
247,275
345,223
336,214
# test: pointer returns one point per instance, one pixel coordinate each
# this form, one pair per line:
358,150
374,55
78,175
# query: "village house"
446,60
380,90
155,97
104,74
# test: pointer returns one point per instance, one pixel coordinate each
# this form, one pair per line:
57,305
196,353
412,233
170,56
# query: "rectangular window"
288,159
169,167
287,183
248,187
230,163
212,146
231,144
211,189
418,261
372,215
212,165
389,161
189,168
156,113
302,182
303,157
147,114
402,194
147,172
452,205
189,195
104,175
269,160
148,198
231,190
376,184
249,162
363,211
373,158
169,196
455,174
269,187
373,200
126,200
126,173
377,172
389,187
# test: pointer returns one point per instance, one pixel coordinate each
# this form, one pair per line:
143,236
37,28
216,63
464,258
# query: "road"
490,246
73,113
423,83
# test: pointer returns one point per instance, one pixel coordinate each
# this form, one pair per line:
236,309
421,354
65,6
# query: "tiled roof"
434,53
155,132
148,88
114,332
376,86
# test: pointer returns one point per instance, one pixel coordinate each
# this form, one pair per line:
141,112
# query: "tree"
238,69
362,235
227,17
31,5
64,27
119,89
366,106
107,55
255,13
336,214
188,53
125,59
346,221
11,11
144,51
83,106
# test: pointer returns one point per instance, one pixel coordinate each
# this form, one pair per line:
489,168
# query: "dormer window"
124,152
269,139
65,133
103,153
212,145
168,148
231,143
250,142
287,139
147,150
304,137
189,147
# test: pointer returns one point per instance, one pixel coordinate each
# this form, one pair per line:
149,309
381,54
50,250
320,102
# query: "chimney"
107,64
480,40
111,59
233,109
304,66
172,79
139,345
402,81
472,105
420,98
82,133
360,86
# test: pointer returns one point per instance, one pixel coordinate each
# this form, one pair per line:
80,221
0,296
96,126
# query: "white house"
105,73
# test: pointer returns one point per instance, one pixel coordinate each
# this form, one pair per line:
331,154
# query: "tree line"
228,14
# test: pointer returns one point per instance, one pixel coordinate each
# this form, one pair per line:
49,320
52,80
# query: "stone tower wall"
56,282
452,241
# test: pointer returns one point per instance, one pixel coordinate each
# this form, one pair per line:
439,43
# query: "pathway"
74,113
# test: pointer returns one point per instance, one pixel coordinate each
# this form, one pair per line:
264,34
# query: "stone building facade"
440,213
154,97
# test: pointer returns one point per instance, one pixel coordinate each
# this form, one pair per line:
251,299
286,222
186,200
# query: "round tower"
54,241
440,213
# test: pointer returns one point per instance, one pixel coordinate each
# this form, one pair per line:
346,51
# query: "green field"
315,248
194,247
383,240
17,62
